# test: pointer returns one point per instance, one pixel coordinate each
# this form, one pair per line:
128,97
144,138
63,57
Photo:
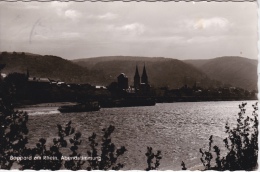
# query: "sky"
180,30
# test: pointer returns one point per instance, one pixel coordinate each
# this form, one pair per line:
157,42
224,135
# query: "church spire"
136,72
136,78
144,78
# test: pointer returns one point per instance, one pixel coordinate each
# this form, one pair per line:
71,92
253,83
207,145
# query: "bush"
15,84
42,152
241,144
13,132
109,153
150,156
107,160
13,140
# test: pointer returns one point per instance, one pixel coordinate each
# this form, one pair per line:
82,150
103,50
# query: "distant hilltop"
163,72
232,70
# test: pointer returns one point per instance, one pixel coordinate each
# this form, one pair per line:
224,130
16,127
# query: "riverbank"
117,103
53,104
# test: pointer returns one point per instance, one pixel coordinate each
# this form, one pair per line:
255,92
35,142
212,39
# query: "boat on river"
128,102
80,107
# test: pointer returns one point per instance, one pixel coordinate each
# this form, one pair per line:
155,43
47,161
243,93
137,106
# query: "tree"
109,153
113,87
15,84
4,53
13,132
17,79
241,143
42,155
150,156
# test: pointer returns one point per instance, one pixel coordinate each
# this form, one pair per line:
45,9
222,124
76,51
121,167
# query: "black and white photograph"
118,85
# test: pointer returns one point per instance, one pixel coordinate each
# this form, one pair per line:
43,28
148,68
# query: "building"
122,81
2,66
141,83
39,83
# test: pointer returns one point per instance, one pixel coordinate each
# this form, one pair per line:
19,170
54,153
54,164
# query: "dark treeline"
39,90
30,90
196,93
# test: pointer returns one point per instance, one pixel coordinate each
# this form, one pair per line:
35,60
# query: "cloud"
49,36
134,28
201,39
108,16
72,14
70,35
32,7
215,22
57,4
63,10
122,28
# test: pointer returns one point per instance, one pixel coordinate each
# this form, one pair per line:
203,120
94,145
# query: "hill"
236,71
91,62
161,71
46,66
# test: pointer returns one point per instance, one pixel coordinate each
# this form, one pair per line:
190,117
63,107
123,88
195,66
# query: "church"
141,83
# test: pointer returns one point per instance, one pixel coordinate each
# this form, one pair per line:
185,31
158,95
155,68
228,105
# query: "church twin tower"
140,83
144,78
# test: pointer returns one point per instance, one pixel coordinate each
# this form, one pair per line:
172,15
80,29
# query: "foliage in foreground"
241,145
37,158
12,133
13,141
150,156
43,152
109,153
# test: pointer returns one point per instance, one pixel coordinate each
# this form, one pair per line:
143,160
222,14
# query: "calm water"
179,130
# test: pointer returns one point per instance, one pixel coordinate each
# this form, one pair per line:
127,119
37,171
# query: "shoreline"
51,104
58,104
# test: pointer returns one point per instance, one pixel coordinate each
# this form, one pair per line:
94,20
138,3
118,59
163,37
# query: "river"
179,130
